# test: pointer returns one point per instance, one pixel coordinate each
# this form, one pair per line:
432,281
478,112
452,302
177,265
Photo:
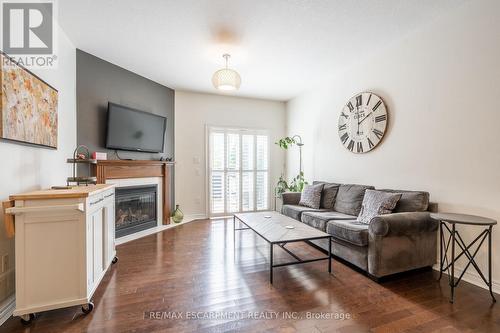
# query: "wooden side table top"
463,219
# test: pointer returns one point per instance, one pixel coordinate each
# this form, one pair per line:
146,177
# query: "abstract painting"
28,109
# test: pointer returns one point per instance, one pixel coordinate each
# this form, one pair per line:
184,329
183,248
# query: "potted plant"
298,182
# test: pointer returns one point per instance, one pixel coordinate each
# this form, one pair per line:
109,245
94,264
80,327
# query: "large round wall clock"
362,122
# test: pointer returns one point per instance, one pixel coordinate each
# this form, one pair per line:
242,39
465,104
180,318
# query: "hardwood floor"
194,268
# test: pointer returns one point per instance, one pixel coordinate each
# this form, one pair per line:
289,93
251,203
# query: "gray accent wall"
99,82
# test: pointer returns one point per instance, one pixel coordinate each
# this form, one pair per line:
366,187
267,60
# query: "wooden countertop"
75,192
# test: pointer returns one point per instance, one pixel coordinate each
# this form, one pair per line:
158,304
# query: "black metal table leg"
489,264
329,255
452,280
271,263
282,244
441,246
468,250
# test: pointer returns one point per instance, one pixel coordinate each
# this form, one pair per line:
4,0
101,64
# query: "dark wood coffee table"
279,229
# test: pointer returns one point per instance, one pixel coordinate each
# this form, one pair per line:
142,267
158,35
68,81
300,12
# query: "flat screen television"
134,130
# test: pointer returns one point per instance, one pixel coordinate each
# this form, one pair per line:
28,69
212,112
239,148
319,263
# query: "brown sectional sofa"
392,243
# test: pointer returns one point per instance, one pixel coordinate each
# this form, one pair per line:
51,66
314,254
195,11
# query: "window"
238,171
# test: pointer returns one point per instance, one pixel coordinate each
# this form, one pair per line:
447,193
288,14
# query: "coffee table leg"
329,255
271,263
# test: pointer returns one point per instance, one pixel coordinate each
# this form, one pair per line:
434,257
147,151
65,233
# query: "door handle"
96,202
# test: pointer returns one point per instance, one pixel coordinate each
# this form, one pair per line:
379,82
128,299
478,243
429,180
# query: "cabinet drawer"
109,195
95,202
98,199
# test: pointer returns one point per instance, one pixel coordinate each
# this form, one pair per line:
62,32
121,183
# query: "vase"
177,215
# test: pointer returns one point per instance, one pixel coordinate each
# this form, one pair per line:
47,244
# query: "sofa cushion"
350,231
319,220
295,211
329,194
411,201
290,198
349,198
311,196
377,203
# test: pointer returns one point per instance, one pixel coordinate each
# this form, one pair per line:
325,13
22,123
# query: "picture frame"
28,106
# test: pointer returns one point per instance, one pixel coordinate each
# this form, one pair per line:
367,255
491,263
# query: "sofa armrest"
402,224
291,198
433,207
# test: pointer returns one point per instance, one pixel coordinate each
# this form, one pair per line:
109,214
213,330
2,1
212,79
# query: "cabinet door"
109,234
97,240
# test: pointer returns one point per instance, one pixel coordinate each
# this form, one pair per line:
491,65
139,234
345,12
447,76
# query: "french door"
238,170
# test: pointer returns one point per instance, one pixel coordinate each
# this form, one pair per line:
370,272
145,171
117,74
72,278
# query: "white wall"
193,111
25,168
441,86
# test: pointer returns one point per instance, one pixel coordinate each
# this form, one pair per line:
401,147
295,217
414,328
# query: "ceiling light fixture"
226,79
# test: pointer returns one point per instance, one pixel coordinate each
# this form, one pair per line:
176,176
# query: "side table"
447,220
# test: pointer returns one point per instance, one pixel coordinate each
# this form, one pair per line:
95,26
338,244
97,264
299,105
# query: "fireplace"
136,209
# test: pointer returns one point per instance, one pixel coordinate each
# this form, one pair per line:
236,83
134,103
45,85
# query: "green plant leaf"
285,142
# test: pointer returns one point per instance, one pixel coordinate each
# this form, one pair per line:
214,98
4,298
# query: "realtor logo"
28,32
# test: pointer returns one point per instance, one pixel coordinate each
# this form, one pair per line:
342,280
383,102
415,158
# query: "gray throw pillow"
377,203
329,195
350,198
311,196
411,201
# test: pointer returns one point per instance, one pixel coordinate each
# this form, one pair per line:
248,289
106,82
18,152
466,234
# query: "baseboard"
151,231
192,217
471,276
7,308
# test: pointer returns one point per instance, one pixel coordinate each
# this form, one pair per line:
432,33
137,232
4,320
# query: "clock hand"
357,113
369,114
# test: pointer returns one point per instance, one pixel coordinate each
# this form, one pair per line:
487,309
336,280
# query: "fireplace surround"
120,171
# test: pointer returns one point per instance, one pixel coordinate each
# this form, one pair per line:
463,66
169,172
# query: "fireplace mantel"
122,169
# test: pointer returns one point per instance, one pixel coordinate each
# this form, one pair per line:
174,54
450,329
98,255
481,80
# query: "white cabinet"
95,247
64,246
109,229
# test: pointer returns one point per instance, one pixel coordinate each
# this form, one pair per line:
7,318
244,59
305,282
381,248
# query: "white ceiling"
280,47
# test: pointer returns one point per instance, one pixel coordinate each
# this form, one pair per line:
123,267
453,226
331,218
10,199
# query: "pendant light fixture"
226,79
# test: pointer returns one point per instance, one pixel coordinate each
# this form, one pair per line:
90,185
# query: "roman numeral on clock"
370,143
344,115
359,100
360,147
375,107
350,106
350,146
369,98
380,118
378,133
344,138
342,127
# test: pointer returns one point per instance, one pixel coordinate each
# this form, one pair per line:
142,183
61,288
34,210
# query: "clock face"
362,122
